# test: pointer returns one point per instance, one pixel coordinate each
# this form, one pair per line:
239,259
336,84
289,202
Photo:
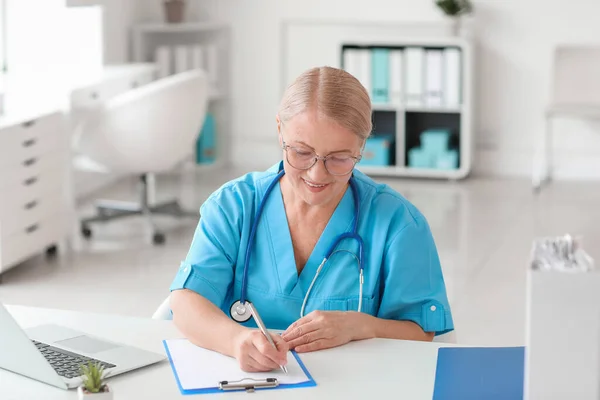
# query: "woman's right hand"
255,354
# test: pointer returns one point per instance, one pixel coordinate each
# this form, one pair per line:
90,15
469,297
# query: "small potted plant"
455,9
174,11
93,386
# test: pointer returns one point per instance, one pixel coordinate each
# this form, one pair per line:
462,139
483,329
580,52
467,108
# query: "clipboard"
246,384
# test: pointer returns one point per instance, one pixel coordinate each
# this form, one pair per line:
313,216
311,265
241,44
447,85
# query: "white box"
562,335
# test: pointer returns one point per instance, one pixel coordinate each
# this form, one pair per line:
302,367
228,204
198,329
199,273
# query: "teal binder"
206,144
380,75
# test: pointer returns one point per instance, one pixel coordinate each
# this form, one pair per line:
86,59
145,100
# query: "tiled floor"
483,229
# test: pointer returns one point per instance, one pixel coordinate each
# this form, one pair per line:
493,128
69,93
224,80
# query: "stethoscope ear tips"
239,312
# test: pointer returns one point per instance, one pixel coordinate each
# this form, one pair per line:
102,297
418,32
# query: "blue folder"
310,383
380,75
490,373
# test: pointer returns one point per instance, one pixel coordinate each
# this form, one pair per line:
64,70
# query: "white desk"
368,369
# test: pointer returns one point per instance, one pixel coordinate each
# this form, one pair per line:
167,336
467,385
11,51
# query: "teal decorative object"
206,144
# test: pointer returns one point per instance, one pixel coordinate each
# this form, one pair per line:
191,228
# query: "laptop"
53,354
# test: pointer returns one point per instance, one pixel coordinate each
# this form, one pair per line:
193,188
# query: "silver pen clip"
249,384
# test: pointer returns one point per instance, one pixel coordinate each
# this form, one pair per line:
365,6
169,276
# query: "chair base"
109,210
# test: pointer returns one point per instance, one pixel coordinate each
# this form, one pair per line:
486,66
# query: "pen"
264,331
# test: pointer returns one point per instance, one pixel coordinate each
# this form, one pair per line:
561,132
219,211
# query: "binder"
212,63
246,383
434,91
396,73
162,57
364,60
413,76
351,64
181,58
380,74
475,373
197,57
452,78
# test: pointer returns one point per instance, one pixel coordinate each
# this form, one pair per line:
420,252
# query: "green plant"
93,377
455,8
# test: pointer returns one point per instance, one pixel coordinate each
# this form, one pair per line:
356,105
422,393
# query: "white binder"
197,57
212,63
413,77
351,62
364,60
162,57
396,74
181,58
452,78
434,66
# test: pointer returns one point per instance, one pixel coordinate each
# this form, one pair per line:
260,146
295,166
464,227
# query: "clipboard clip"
249,384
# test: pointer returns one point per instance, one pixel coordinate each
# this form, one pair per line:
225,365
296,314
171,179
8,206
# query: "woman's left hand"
325,329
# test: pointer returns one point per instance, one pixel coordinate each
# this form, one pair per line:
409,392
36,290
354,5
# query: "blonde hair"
335,94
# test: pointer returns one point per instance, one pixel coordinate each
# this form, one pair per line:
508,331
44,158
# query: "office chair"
575,94
147,130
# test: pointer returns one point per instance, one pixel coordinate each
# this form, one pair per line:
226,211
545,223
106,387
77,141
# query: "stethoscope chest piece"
239,312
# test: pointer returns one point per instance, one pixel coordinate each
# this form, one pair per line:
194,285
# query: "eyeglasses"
337,164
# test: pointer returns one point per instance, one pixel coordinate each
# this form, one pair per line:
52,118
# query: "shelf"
180,27
434,109
414,172
401,107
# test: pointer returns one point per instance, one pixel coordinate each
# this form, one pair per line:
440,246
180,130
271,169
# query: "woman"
323,122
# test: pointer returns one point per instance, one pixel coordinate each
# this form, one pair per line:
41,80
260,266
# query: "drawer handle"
31,204
32,228
29,143
29,124
30,181
29,162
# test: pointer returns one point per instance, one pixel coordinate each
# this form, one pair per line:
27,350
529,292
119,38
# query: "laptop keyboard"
64,362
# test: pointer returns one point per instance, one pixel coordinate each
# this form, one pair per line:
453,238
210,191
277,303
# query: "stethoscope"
241,313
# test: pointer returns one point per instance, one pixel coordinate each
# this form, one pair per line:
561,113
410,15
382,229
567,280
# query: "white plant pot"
84,395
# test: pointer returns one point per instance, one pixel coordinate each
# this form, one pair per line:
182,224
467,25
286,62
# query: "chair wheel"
86,232
158,238
51,250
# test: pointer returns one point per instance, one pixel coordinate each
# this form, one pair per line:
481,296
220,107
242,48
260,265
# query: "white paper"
198,368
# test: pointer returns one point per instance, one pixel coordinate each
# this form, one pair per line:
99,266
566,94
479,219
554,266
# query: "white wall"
514,65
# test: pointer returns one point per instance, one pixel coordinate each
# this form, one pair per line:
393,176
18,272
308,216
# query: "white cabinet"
35,206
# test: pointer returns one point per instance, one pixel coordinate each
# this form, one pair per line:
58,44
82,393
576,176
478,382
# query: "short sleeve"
209,265
414,287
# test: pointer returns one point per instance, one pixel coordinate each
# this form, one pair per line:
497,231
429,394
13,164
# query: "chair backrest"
147,129
164,310
576,75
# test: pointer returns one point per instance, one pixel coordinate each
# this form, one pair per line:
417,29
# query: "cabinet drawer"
31,240
28,172
19,143
93,96
19,216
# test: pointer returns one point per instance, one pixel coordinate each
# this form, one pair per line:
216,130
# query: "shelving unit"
148,37
413,105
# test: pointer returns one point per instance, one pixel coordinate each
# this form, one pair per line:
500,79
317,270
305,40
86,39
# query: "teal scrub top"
402,274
